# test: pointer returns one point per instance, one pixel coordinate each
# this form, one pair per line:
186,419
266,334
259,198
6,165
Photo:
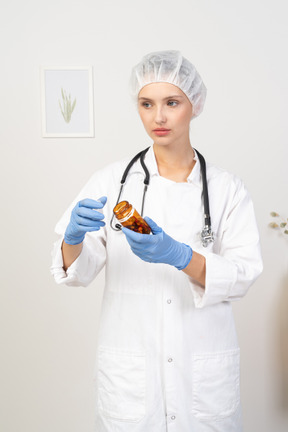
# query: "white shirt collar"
150,161
195,175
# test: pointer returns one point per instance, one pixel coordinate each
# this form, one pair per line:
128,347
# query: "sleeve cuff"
221,276
75,275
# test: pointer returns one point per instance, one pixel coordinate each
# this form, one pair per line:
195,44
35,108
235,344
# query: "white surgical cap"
171,67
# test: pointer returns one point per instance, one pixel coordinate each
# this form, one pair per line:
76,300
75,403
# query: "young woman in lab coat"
168,356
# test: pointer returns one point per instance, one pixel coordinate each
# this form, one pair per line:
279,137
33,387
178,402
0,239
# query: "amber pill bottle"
130,218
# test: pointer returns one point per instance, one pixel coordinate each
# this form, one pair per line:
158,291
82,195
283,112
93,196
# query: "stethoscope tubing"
206,234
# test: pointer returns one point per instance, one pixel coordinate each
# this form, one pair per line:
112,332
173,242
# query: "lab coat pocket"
216,392
121,384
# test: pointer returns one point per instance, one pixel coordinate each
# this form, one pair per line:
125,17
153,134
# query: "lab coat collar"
150,161
195,176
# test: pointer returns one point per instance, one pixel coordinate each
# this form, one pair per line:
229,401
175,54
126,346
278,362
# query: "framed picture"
67,102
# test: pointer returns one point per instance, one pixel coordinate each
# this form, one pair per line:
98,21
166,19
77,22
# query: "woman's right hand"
84,218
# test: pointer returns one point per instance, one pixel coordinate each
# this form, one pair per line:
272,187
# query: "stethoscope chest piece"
207,236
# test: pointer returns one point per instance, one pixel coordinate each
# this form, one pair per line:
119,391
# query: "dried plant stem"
68,107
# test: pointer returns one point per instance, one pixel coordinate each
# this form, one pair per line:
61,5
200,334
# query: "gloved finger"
93,204
135,237
84,229
154,227
129,234
85,222
88,213
103,200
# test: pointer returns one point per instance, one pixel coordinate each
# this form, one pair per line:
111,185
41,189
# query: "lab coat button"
168,301
170,360
173,417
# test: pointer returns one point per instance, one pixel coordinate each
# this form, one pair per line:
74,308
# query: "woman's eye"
145,104
172,102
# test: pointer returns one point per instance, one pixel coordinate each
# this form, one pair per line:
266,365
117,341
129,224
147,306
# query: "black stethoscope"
207,236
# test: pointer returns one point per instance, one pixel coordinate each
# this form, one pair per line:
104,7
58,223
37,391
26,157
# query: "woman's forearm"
196,269
70,253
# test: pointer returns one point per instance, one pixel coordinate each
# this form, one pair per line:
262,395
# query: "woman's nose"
160,116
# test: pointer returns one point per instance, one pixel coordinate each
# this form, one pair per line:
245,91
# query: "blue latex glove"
159,247
84,219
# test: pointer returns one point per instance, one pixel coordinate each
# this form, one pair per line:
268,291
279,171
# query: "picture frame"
67,102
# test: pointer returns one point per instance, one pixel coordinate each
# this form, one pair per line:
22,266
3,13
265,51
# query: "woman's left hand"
158,247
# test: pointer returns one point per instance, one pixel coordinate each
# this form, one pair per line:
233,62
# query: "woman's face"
165,106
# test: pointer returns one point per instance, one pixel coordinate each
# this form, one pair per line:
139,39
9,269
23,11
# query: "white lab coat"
168,356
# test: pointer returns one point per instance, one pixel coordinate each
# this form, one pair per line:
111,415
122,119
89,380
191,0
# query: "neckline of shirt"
150,161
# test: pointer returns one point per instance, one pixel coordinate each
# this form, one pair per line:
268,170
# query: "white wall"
49,332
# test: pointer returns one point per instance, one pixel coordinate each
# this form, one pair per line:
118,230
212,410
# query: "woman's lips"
161,132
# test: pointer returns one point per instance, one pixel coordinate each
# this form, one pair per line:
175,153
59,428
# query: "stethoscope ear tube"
135,158
207,236
140,155
205,189
147,174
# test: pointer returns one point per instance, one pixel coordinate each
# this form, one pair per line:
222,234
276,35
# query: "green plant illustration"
68,106
280,223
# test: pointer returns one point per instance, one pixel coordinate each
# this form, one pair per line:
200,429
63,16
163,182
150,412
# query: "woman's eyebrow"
169,97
